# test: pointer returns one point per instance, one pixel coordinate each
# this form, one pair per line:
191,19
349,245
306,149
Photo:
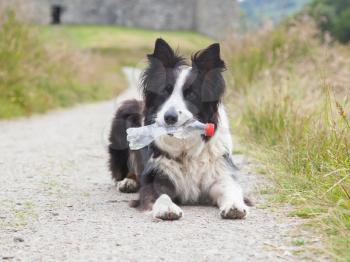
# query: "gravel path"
58,203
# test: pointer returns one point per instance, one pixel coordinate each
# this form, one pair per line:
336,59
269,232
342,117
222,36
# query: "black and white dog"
175,171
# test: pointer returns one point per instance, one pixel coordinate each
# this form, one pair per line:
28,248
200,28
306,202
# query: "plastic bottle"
139,137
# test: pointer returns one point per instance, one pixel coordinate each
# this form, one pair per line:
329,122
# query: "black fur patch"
128,115
159,78
154,182
205,86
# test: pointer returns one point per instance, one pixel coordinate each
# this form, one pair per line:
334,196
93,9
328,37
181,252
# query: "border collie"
174,171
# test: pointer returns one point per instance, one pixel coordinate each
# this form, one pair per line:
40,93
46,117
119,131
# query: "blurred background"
288,72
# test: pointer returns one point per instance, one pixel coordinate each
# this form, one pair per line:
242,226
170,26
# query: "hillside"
256,11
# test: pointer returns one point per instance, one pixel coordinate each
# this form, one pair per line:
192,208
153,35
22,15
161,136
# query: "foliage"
292,106
333,17
32,76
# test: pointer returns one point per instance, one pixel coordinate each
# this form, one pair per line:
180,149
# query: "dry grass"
36,77
291,102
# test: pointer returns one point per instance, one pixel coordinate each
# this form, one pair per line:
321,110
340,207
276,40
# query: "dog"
172,171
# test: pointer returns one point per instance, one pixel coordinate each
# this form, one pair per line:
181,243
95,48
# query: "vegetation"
333,17
47,67
291,105
291,97
33,78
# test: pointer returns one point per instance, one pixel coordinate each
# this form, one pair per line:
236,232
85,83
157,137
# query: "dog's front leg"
227,194
165,209
157,195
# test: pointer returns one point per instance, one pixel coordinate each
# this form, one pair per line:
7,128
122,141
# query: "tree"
333,17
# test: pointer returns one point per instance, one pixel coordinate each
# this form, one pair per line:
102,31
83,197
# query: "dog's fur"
183,171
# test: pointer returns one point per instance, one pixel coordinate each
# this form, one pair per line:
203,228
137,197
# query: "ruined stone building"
211,17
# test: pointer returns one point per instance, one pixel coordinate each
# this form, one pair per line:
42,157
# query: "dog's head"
175,92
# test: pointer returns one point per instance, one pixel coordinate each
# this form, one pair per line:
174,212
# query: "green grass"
92,37
292,111
298,242
19,213
36,77
48,67
127,46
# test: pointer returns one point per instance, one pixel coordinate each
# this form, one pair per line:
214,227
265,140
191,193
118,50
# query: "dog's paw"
128,185
234,211
165,209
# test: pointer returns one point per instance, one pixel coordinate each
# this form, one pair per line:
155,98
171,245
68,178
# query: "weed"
291,108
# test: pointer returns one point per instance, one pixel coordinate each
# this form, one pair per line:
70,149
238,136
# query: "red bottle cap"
209,130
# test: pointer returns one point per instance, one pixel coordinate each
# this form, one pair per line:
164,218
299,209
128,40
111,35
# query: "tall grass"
292,98
35,77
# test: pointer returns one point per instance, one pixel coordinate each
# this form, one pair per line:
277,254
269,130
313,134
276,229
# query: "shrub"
333,17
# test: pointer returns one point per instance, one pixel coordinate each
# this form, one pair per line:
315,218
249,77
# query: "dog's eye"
189,94
168,89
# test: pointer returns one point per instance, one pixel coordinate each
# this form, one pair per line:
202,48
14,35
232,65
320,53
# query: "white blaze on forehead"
176,99
181,80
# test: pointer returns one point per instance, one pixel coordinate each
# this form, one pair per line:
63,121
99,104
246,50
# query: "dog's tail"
128,115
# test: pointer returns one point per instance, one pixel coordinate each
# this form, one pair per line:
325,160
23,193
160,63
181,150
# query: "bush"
333,17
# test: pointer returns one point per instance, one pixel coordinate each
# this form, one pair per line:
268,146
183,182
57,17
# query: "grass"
48,67
19,213
121,46
33,79
106,37
292,108
298,242
291,100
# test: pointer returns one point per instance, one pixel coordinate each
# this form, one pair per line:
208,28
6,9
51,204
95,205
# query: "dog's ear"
208,59
163,53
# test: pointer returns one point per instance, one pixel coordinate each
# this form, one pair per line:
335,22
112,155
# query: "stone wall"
216,17
211,17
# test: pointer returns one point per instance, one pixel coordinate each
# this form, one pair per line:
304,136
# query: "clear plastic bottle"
140,137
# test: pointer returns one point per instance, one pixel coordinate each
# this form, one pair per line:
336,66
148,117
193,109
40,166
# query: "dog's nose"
170,116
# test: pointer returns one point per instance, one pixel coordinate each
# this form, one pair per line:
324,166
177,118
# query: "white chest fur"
194,165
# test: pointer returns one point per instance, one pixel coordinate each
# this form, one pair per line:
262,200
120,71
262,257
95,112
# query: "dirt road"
58,203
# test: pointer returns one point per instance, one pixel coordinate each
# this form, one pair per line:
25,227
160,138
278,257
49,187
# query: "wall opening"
56,14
